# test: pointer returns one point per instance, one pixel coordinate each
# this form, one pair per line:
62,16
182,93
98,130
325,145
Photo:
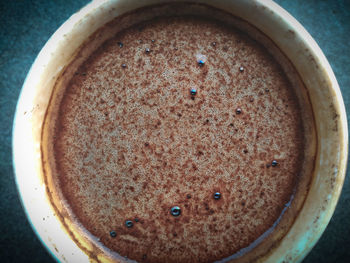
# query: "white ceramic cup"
316,73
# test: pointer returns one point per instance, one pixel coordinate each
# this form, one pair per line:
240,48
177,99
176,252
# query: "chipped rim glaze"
275,22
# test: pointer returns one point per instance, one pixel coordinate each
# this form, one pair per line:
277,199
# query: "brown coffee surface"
132,142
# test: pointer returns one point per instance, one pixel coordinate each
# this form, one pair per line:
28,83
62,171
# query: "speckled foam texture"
131,141
26,26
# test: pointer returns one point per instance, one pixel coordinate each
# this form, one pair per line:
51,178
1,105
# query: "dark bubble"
193,92
175,211
120,44
113,234
274,163
129,223
123,65
153,40
213,44
188,196
136,220
217,196
238,110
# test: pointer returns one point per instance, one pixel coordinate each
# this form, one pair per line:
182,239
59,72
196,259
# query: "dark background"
25,26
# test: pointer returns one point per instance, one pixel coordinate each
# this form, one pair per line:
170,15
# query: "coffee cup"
66,241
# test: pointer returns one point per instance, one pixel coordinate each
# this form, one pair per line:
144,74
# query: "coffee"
180,139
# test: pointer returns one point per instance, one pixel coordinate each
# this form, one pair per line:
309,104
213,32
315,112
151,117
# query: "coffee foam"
133,142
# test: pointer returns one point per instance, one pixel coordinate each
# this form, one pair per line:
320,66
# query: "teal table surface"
25,26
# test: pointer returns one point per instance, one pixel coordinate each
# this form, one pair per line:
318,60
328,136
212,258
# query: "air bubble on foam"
113,233
274,163
217,196
175,211
193,91
129,223
201,59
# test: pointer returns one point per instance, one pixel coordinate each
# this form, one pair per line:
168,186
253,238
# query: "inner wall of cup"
85,25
